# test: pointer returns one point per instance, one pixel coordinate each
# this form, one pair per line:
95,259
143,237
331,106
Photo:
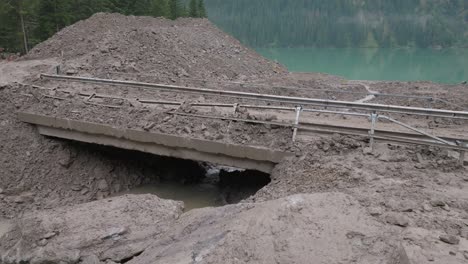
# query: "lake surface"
442,66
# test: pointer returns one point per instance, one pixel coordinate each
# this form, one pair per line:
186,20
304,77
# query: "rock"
437,203
149,126
42,242
187,130
427,208
66,161
367,151
102,185
49,235
114,233
419,157
449,239
1,191
91,259
397,219
84,191
375,211
465,254
76,187
19,199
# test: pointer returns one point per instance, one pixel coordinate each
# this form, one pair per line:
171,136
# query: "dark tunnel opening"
197,184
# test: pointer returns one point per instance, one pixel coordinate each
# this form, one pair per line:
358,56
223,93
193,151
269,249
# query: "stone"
49,235
465,254
76,187
375,211
449,239
367,151
91,259
397,219
114,233
427,208
102,185
84,191
187,130
42,242
419,157
18,200
437,203
1,191
149,126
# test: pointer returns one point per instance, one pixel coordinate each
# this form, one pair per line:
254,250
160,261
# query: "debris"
450,239
397,219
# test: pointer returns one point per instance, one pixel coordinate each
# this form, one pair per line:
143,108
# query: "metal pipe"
373,117
418,131
462,153
296,122
284,99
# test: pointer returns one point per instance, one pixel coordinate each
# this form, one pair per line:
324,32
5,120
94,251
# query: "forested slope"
343,23
24,23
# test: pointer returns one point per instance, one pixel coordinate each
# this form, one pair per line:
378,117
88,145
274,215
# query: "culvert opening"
197,184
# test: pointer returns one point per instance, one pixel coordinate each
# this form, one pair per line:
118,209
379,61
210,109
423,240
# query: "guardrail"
275,98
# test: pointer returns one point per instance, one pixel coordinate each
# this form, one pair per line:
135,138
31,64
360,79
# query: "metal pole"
373,117
419,131
296,122
462,154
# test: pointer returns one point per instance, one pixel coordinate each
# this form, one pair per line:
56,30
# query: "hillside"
343,23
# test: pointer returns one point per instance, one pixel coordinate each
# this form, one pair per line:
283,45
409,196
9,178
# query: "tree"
175,9
159,8
193,8
201,8
53,16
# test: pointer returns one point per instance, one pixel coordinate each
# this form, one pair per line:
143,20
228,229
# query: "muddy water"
193,195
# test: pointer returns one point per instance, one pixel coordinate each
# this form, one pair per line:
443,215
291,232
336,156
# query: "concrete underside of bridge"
246,157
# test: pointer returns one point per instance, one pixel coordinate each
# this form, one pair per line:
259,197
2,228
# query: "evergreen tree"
193,8
175,9
201,8
159,8
53,15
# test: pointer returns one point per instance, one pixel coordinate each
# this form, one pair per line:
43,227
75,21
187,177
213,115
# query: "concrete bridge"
239,156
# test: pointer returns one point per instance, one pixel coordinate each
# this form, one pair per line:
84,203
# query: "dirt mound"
183,48
325,228
112,229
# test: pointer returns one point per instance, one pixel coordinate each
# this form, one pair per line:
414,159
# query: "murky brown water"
193,196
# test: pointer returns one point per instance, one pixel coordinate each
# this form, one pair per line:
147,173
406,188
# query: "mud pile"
328,228
185,48
113,229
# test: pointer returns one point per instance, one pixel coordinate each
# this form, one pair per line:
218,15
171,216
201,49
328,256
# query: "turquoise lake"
442,66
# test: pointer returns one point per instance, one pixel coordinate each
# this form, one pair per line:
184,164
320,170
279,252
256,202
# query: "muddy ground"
332,202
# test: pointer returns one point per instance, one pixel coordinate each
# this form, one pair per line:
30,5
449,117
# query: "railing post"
373,120
296,122
462,153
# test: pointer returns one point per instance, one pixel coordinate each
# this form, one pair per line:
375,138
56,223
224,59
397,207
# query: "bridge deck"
246,157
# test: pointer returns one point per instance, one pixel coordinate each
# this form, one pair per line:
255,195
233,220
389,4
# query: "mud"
334,201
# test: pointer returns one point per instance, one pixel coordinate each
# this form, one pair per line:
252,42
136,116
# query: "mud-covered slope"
188,48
